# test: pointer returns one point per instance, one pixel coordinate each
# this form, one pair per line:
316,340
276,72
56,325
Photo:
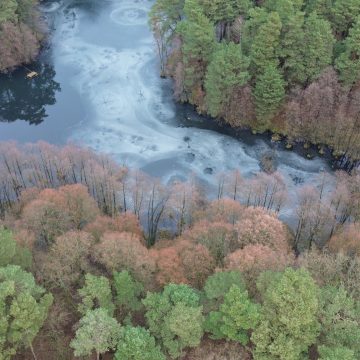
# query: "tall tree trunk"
32,351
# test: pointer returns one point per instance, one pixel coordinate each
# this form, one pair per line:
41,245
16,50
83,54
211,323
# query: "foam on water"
129,116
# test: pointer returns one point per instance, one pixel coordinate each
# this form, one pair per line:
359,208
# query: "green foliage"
265,44
285,8
166,13
8,10
236,316
23,309
7,247
322,7
175,318
198,37
269,93
227,69
136,343
96,293
225,10
11,253
97,332
25,9
288,324
348,63
339,316
317,47
218,284
128,291
344,14
257,17
337,353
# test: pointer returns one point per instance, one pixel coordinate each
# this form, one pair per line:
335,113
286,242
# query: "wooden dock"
31,74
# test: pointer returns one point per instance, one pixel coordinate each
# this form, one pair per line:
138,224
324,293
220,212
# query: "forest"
21,32
291,67
101,261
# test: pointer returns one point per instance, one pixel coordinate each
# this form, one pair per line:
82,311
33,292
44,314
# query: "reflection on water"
24,99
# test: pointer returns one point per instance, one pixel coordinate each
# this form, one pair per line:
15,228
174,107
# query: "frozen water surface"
113,101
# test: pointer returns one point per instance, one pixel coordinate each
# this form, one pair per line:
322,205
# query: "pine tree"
97,332
289,323
23,309
96,293
344,14
265,44
8,11
269,92
348,63
227,70
136,343
318,46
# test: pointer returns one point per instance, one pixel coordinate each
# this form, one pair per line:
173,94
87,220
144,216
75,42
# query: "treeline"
320,212
291,67
20,32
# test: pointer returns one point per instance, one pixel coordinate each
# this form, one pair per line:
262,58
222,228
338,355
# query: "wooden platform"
31,74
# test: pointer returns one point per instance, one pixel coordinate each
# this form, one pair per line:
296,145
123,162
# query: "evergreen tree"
11,252
339,317
218,284
322,7
269,92
288,324
236,316
318,46
198,37
227,69
23,309
257,17
128,291
291,53
337,353
348,63
175,318
97,332
136,343
8,10
224,10
96,293
265,45
344,15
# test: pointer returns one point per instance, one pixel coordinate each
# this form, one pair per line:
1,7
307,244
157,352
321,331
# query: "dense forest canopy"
140,270
20,32
289,66
99,261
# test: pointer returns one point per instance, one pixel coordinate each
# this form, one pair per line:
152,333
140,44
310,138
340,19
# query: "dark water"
98,86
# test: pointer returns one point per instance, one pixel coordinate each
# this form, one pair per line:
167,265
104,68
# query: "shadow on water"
24,99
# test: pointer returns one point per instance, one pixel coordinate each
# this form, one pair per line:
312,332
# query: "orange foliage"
257,258
218,237
67,260
224,210
347,241
75,201
125,251
125,222
45,220
53,212
169,267
259,226
183,262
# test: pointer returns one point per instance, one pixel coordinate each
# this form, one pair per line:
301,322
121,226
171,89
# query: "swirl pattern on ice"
129,16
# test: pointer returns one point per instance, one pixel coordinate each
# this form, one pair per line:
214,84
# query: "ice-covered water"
104,55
